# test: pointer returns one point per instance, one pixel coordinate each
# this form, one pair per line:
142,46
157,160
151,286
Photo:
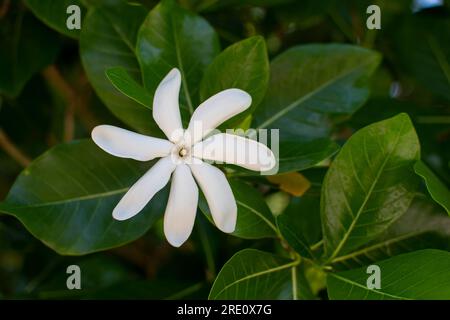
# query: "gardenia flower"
181,158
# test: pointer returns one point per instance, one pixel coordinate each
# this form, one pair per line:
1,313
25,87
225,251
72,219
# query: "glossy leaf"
243,65
108,40
27,46
298,156
425,48
253,274
438,190
94,277
161,289
369,185
173,37
54,14
424,226
417,275
65,199
309,82
254,219
123,82
299,224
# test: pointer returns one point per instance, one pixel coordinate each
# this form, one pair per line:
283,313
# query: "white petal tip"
172,75
228,225
98,133
120,216
175,241
244,97
228,228
272,163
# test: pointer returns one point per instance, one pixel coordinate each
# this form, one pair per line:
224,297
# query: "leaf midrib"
76,199
356,284
366,199
299,101
259,214
379,245
258,274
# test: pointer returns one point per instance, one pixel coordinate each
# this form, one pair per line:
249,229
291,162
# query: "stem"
12,150
317,245
294,277
4,8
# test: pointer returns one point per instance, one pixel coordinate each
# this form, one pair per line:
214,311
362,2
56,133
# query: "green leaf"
253,274
94,276
173,37
297,156
243,65
424,51
161,289
54,14
369,185
108,40
65,199
120,79
417,275
300,223
310,82
438,191
424,226
27,47
254,219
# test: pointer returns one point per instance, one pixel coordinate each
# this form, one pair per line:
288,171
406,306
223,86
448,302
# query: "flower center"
182,152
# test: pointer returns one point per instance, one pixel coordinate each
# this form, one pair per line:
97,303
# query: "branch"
4,7
8,146
54,77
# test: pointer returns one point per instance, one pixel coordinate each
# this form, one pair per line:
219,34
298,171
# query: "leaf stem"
294,276
317,245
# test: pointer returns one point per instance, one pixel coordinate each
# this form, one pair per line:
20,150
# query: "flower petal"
181,208
233,149
127,144
166,110
216,110
218,194
144,189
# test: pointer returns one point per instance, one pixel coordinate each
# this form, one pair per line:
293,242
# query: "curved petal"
144,189
181,208
166,110
216,110
218,194
127,144
233,149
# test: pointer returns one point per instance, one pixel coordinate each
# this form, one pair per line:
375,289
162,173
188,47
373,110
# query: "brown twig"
10,148
86,116
4,8
54,77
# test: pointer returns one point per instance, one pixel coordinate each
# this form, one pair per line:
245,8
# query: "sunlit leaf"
369,185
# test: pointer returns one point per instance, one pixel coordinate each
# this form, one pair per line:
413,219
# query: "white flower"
181,158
